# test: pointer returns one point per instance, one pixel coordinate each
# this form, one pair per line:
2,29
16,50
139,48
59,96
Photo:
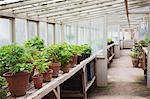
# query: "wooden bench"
54,85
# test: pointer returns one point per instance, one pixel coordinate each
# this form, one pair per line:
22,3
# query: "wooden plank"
90,83
109,46
111,57
84,80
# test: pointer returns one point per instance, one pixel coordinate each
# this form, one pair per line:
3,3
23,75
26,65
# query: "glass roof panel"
8,1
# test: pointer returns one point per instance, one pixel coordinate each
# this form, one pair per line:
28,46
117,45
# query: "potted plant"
65,60
42,65
53,54
44,73
14,61
109,41
135,61
3,92
76,51
34,47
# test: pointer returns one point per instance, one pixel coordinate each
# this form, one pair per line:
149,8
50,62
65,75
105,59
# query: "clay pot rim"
66,65
56,63
50,71
9,74
37,76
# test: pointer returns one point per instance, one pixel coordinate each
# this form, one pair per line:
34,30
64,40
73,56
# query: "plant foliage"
13,58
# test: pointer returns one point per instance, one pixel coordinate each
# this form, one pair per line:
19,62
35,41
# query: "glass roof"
8,1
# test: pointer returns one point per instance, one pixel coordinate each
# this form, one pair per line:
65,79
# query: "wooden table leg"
57,92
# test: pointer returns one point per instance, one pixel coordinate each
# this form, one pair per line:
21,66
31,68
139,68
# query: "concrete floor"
124,81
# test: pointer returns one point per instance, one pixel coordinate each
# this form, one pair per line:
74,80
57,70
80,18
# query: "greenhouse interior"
74,49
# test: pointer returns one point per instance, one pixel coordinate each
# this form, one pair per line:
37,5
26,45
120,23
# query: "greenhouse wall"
84,32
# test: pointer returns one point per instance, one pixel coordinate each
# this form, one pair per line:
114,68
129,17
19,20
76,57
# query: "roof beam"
84,14
49,15
24,3
49,5
79,9
10,15
127,12
100,10
64,8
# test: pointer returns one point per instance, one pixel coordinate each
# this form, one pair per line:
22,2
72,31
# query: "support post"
84,82
62,33
101,60
12,30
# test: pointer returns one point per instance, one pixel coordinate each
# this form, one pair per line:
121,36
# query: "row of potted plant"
33,61
138,52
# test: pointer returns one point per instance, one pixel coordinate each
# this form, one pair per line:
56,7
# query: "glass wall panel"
32,29
50,35
5,32
113,32
67,33
43,31
97,30
20,31
143,30
81,35
58,33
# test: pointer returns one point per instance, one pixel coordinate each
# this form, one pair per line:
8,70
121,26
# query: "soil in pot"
55,67
17,83
66,68
38,81
135,62
47,75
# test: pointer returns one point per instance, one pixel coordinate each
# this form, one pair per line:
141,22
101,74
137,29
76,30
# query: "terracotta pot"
75,57
38,81
135,62
141,63
66,68
73,61
31,74
55,67
47,75
17,83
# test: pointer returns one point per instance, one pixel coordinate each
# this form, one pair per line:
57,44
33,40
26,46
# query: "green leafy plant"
65,57
34,47
86,49
42,63
76,50
13,58
109,40
3,92
143,43
2,81
35,43
137,47
134,54
53,52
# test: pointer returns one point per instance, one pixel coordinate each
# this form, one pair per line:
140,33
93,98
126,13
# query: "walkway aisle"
124,81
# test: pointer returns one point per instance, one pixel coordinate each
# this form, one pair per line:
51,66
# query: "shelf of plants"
78,84
139,55
46,68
